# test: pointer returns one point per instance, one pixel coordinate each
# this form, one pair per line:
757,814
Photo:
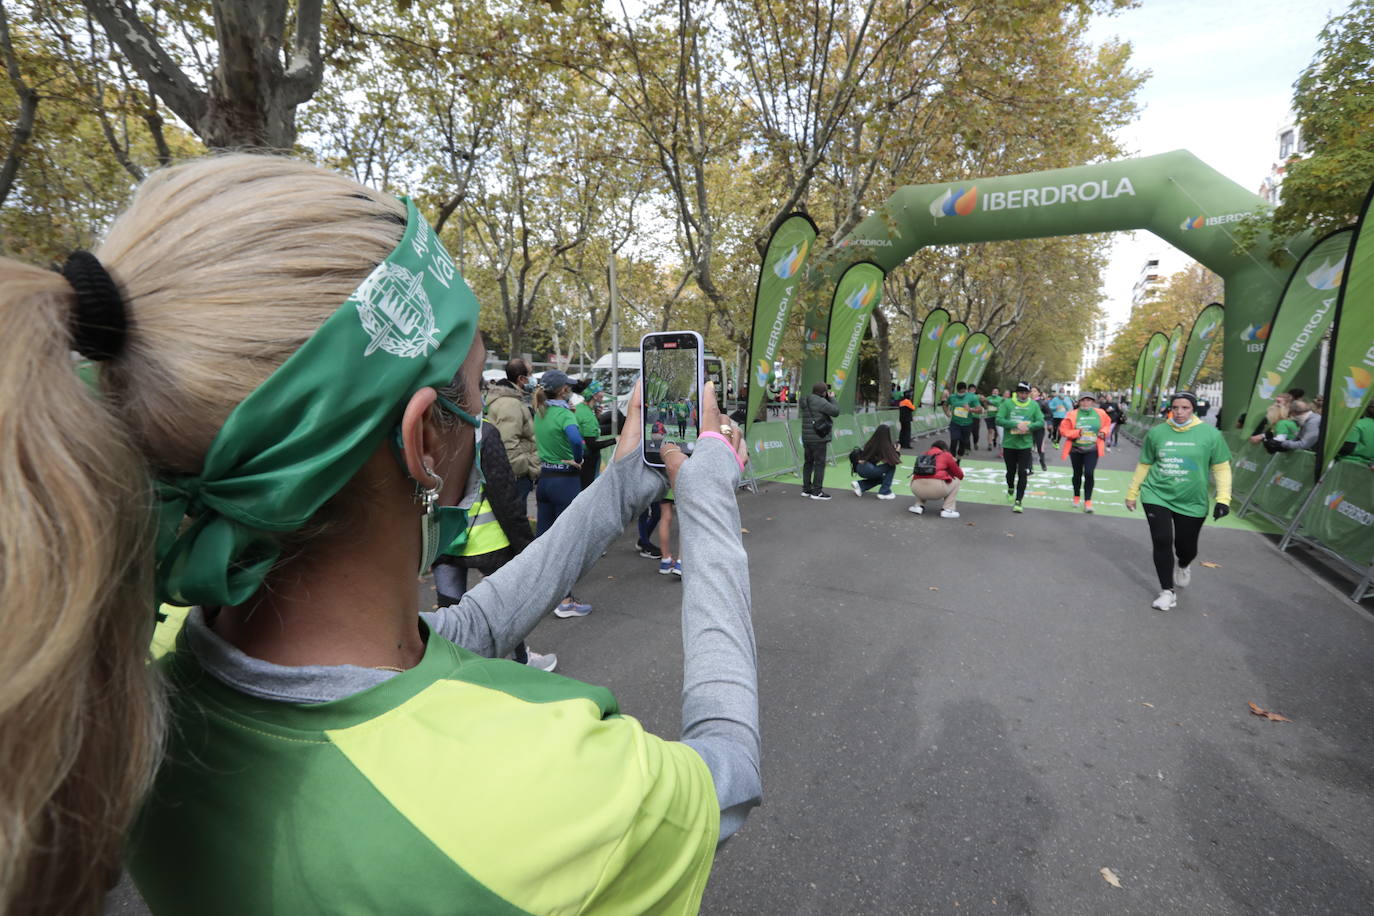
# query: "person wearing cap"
562,449
586,397
281,435
1020,418
1084,432
1171,481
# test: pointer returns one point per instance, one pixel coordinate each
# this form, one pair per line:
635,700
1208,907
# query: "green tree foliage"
1333,101
1177,302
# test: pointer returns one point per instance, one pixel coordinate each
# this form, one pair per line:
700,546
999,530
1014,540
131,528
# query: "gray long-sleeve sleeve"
501,610
720,697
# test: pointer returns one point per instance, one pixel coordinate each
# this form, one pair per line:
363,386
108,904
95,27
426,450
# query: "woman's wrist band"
712,434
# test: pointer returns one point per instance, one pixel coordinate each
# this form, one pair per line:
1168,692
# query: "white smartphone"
671,363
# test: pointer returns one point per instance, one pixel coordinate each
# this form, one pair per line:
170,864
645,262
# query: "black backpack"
821,425
925,466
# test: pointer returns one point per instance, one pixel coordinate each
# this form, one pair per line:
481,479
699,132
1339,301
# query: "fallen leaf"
610,577
1266,714
933,588
1151,705
971,524
1211,565
1110,877
768,519
1010,535
744,531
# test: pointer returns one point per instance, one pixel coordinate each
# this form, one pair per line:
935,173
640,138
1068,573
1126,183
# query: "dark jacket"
813,406
505,504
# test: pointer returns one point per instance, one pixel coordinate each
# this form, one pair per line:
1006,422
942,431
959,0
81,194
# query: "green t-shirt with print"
1180,463
1089,426
1012,411
961,408
994,401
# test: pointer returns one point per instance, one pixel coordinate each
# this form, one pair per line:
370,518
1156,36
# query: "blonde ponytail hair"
227,264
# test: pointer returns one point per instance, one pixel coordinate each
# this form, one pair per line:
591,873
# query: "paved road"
977,715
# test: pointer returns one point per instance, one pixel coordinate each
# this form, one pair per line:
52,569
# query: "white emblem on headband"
395,312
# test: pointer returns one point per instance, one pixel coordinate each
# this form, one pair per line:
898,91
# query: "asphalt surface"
979,715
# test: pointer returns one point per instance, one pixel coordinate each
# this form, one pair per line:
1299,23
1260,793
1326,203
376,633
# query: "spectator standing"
1171,482
1359,445
1084,430
905,411
937,476
1309,427
561,451
875,463
498,529
1113,411
818,413
589,424
507,410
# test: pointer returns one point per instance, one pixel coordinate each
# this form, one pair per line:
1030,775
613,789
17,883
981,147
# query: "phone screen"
672,370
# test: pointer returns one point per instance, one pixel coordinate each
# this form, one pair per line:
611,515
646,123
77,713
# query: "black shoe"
1042,463
650,551
821,494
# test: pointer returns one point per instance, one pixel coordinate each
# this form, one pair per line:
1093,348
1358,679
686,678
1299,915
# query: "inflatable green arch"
1174,195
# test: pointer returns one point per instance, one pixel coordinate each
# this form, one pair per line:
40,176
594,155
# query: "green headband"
305,431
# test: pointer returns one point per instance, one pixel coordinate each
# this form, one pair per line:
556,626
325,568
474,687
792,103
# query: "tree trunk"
256,85
884,355
28,110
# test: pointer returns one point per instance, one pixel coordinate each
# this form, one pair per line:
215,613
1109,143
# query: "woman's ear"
419,437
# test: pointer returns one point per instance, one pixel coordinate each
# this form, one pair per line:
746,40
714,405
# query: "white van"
627,373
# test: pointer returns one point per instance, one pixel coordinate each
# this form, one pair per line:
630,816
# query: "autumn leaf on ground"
971,524
933,588
1266,714
744,531
1109,876
1211,565
1151,705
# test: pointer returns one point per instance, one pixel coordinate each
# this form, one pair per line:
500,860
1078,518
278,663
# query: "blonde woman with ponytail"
280,431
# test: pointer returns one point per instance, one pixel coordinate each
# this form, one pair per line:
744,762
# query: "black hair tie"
99,323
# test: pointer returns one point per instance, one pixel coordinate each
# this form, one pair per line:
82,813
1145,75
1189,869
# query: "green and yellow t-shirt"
1011,412
1180,462
409,797
961,408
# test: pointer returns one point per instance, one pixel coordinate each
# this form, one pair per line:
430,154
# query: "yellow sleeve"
1221,473
1133,491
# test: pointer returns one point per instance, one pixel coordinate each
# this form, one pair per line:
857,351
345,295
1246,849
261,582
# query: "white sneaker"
1182,576
887,495
948,513
1166,600
545,662
917,509
855,487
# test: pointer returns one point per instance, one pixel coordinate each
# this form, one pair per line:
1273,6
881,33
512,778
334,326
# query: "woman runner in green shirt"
1171,480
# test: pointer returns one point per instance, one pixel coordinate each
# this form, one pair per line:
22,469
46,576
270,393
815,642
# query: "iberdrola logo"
765,371
862,296
954,342
1193,222
935,332
1333,499
1268,384
955,202
1356,385
812,334
1207,331
787,264
1157,350
924,374
1256,332
1328,276
838,379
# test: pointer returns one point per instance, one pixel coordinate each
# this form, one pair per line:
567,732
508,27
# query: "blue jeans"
875,475
960,439
554,494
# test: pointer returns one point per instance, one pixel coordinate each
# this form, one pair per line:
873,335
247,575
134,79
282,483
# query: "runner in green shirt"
963,408
1020,417
1171,480
990,405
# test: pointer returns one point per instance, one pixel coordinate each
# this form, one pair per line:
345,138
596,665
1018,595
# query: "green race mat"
985,482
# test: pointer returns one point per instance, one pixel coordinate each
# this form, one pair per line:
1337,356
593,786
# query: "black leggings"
1038,436
1084,463
1018,461
1173,535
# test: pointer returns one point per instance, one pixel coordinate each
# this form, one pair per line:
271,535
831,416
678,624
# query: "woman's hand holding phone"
711,420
